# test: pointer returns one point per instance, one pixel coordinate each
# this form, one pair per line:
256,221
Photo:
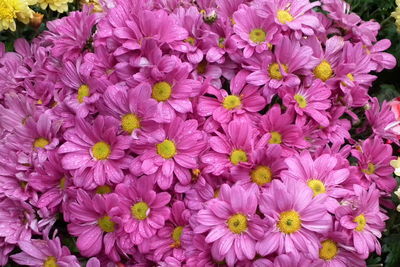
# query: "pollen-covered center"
161,91
221,42
106,224
101,150
323,71
289,222
317,186
63,180
130,122
83,92
237,156
176,236
190,40
275,72
237,223
50,261
370,170
40,142
231,102
166,149
258,35
329,250
104,189
284,16
261,175
361,222
301,100
276,138
140,210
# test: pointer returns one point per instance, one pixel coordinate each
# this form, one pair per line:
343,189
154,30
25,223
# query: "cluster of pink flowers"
196,133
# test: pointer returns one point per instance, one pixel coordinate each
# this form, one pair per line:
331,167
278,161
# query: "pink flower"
131,107
362,220
244,100
294,15
295,219
382,120
288,60
231,224
93,222
283,132
233,148
253,33
374,158
321,174
169,152
312,101
95,154
174,237
44,253
70,34
143,211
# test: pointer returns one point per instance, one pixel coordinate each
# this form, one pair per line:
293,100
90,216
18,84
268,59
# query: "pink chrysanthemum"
169,152
295,219
233,148
294,15
231,224
362,220
321,174
374,158
44,253
244,100
143,211
308,102
288,60
253,33
93,222
70,34
95,153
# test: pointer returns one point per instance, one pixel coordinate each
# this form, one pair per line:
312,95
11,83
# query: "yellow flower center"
301,100
190,40
231,102
83,92
276,138
101,150
176,236
130,122
216,193
221,42
166,149
104,189
361,222
140,210
161,91
370,170
237,223
258,35
350,76
237,156
289,222
317,186
195,174
329,250
40,142
50,262
261,175
62,182
284,16
275,72
106,224
323,71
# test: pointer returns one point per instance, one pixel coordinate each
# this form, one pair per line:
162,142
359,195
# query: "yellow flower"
60,6
95,3
10,10
396,15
